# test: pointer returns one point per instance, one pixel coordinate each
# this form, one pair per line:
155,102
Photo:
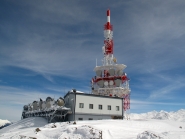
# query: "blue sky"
49,47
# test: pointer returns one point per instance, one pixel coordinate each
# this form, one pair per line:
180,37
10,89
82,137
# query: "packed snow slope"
138,127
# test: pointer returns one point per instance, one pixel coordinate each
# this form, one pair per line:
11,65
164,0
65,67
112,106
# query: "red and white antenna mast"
110,79
108,42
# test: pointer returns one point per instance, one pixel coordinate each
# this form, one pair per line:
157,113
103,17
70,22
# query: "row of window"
82,118
100,107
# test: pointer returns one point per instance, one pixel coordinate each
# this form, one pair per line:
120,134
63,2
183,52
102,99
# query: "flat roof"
93,95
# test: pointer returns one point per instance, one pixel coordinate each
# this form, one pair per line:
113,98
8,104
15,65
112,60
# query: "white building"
93,107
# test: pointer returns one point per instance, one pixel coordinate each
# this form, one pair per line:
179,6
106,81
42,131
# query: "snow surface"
158,125
4,122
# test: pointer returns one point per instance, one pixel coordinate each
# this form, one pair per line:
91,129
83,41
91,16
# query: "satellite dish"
98,73
100,83
115,60
48,105
120,72
30,108
35,105
48,99
43,105
40,104
112,72
106,83
25,107
111,82
117,82
60,102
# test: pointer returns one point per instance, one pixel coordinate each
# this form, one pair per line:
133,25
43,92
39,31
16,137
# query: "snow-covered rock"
4,123
149,135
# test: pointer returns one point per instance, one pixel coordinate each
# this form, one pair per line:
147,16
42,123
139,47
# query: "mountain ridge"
161,115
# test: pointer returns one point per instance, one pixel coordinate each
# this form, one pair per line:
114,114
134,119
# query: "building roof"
93,95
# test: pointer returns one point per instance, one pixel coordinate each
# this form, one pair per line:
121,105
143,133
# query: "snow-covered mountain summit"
155,125
162,115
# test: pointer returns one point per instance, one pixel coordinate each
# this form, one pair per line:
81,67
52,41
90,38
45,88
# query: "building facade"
93,107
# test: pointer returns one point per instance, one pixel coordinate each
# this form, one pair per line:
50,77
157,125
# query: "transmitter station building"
109,98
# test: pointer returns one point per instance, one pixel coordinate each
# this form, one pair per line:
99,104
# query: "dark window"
109,107
117,108
90,118
90,106
81,105
100,107
80,118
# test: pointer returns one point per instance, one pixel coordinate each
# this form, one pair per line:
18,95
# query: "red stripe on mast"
108,12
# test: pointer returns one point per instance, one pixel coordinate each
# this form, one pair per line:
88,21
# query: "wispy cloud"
43,51
139,106
48,77
13,99
168,90
17,96
6,113
139,102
